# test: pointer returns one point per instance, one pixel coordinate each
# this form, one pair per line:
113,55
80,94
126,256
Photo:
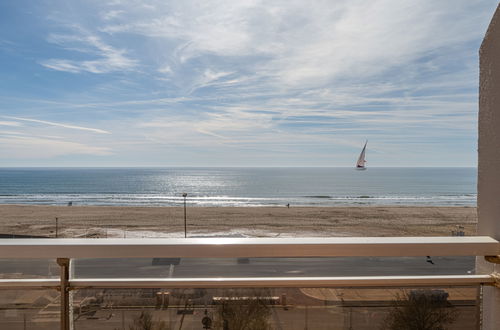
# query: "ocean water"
239,186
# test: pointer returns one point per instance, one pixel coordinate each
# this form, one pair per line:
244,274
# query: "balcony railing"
64,250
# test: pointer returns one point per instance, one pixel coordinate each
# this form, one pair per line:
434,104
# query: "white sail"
361,160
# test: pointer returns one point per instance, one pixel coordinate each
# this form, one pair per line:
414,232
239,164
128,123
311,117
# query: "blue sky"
240,83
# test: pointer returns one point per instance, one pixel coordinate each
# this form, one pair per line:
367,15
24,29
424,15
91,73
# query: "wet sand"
112,221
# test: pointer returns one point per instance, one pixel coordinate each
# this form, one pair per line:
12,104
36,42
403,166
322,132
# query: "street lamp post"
185,222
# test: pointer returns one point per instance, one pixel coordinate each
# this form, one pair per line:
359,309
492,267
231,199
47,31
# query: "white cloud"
10,123
109,59
94,130
22,147
305,43
165,69
112,14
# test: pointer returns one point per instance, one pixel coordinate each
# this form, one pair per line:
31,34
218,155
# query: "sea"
242,187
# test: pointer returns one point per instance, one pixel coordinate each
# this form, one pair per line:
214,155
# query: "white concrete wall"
489,160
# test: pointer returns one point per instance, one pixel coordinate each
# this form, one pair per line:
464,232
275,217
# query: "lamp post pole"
185,222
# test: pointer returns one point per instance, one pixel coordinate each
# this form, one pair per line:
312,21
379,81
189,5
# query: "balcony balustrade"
65,251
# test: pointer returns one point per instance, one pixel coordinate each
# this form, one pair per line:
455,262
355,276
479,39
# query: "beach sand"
111,221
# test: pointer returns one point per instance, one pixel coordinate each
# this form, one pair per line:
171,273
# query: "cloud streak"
10,123
50,123
29,147
109,59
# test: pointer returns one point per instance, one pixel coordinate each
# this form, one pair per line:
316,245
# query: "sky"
240,83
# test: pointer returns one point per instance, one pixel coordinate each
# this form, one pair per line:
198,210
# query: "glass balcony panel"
271,267
29,309
271,308
28,268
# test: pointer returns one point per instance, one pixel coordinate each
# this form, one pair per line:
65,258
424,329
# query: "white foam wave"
236,201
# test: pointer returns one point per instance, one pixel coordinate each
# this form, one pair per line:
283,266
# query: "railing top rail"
248,247
311,282
299,282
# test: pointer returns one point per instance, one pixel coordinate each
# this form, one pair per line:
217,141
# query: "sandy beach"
108,221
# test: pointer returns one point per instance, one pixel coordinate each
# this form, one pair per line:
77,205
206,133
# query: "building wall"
489,160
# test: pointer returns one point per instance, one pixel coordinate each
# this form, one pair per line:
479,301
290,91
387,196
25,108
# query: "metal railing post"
64,289
185,222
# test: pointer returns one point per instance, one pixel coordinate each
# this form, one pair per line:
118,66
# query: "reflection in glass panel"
274,308
29,309
28,268
271,267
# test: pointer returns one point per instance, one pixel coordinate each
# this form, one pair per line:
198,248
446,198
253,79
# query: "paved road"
209,267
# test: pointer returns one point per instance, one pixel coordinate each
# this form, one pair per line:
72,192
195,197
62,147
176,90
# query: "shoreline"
277,221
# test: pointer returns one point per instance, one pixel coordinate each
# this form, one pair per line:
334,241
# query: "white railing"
248,247
253,282
66,249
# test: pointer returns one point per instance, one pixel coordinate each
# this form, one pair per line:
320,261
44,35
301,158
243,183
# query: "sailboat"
360,165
